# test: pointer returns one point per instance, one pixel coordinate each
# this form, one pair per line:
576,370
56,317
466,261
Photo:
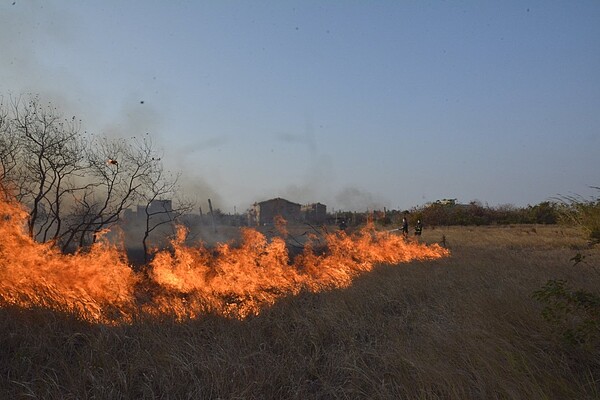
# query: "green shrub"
574,314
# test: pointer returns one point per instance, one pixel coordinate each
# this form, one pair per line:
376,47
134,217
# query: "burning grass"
186,282
461,327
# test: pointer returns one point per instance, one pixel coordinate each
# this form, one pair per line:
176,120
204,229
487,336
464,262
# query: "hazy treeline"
475,213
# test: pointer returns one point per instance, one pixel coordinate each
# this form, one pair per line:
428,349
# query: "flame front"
97,285
234,281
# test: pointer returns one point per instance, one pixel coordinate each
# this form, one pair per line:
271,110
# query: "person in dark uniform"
418,228
404,226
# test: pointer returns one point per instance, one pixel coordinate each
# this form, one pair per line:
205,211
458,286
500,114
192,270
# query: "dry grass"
465,327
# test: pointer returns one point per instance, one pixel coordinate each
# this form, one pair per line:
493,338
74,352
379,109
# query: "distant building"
266,211
129,214
315,212
157,207
158,210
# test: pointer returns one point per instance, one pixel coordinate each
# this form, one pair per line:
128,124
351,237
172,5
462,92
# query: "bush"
574,314
584,213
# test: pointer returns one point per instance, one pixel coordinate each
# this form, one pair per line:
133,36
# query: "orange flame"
235,281
97,285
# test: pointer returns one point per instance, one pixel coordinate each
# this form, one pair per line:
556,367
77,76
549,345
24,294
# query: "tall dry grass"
465,327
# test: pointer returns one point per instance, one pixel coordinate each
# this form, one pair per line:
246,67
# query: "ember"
231,280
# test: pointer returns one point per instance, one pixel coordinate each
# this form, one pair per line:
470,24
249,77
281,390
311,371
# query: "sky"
358,105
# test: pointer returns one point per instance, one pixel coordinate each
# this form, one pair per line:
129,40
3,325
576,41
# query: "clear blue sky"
356,104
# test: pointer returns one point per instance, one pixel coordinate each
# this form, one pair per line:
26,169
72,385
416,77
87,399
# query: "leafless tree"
75,184
9,150
49,155
162,202
117,171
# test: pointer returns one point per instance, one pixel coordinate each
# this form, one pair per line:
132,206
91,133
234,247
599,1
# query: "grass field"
463,327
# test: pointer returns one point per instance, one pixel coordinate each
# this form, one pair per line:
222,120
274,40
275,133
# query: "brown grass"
465,327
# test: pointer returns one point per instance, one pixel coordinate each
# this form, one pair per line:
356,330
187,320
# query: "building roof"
277,199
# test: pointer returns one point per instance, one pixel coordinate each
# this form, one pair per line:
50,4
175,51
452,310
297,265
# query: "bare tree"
9,150
117,171
74,184
49,154
162,203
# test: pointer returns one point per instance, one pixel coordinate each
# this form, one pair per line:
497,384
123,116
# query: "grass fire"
250,319
231,279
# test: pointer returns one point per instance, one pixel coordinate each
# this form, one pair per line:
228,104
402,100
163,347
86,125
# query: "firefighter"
418,228
343,225
404,226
